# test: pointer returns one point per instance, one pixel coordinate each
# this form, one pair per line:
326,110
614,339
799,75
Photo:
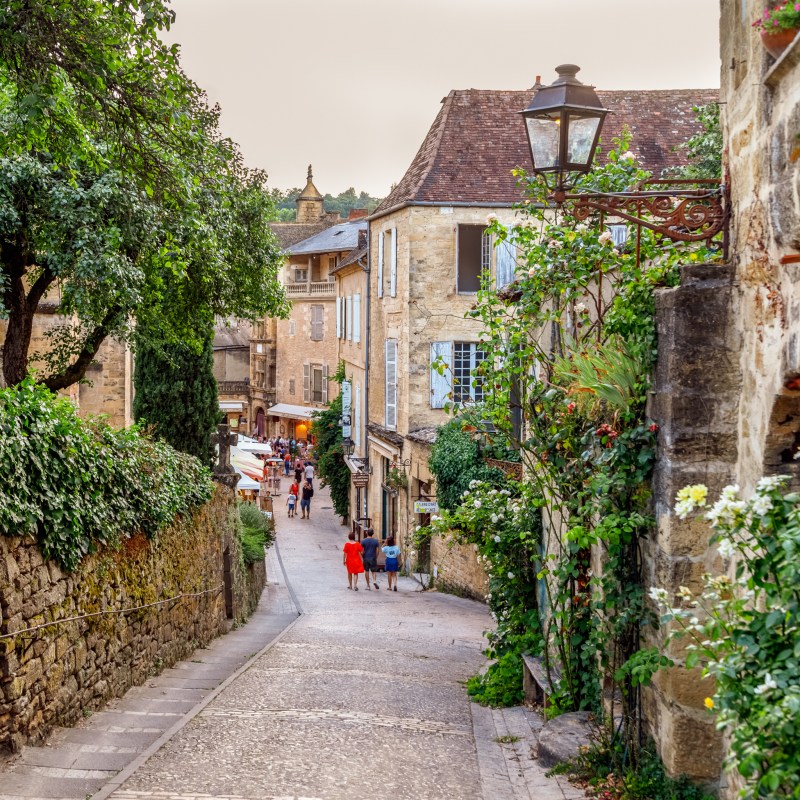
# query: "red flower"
570,408
653,428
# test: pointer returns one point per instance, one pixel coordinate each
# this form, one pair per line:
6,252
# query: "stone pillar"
695,402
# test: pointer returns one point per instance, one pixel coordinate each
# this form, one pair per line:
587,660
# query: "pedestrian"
287,464
298,470
292,445
305,502
392,553
291,502
370,545
295,489
309,473
353,561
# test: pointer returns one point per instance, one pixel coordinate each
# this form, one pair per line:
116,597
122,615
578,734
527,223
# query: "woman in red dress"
353,561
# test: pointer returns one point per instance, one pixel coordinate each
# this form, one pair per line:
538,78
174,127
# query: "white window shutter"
338,318
393,265
306,383
357,416
356,317
441,352
506,258
349,317
391,383
380,265
324,383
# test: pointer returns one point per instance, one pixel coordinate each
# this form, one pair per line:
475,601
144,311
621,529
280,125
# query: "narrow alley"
361,695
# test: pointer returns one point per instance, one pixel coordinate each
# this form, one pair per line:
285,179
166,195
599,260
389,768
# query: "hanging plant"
396,479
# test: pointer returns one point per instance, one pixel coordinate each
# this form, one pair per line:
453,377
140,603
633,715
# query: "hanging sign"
360,479
347,395
426,507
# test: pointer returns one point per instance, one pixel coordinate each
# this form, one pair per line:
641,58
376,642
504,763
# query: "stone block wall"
50,675
695,402
458,569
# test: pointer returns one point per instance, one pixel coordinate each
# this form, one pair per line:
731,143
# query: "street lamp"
563,123
348,447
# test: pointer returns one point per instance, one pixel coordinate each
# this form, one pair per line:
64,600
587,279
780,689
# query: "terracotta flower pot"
776,42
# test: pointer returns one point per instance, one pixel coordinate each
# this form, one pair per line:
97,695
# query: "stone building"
307,344
108,386
351,279
232,371
727,386
428,250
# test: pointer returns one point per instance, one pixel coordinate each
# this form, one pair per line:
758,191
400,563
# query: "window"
315,383
332,262
390,352
620,234
338,317
467,356
317,323
291,327
349,317
300,275
387,249
380,265
357,417
473,257
452,365
291,386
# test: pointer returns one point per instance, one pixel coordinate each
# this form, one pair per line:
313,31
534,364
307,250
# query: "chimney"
357,213
362,238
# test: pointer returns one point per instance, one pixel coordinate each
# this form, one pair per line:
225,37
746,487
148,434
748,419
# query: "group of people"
362,557
303,471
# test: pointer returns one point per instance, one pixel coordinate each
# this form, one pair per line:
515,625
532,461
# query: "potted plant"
397,479
778,26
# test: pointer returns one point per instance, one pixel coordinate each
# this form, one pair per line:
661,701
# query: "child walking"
291,502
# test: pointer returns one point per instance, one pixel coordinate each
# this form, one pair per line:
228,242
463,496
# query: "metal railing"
233,387
315,288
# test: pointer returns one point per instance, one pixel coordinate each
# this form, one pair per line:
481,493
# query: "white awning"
293,412
226,406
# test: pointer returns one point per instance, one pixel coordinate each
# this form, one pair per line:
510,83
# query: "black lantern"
563,123
348,446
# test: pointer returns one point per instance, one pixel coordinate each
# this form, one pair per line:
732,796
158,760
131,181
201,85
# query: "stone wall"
458,569
695,401
51,675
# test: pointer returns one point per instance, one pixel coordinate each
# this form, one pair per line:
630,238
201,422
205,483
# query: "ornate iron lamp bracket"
681,214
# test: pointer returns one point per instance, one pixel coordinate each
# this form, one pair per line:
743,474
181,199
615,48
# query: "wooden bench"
535,683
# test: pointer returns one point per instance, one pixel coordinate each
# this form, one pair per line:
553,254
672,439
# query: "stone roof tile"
478,138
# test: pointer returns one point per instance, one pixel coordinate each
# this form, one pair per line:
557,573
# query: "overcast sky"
352,86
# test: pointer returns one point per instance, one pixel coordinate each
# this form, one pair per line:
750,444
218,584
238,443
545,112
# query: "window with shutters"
380,265
619,234
356,317
392,241
349,317
390,353
315,383
452,365
338,317
473,257
332,262
357,417
317,323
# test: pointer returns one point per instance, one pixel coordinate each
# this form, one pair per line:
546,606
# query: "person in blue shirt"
392,553
370,545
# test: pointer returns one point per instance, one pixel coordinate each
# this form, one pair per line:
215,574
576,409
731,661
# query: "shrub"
73,484
256,534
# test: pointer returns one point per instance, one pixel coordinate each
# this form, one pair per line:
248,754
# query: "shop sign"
426,507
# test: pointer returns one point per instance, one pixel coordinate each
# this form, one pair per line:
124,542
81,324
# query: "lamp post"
563,123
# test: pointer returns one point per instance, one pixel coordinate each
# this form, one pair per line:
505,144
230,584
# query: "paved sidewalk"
360,696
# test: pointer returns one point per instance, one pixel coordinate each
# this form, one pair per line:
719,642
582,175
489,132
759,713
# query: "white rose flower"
760,505
581,308
769,683
726,548
605,237
510,575
497,538
490,218
659,596
477,504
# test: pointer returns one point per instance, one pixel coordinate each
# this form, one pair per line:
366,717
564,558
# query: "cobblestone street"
360,696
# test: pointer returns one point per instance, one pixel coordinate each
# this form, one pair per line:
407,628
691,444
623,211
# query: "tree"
176,394
117,189
704,149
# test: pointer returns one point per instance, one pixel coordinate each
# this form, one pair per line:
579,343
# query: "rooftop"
336,238
478,138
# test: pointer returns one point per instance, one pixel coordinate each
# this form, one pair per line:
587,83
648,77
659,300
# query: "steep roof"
478,138
336,238
290,233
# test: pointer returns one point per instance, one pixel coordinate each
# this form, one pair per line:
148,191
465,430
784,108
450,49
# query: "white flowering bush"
746,630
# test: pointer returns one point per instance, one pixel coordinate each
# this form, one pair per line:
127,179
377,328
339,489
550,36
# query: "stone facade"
727,395
51,675
232,372
108,388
